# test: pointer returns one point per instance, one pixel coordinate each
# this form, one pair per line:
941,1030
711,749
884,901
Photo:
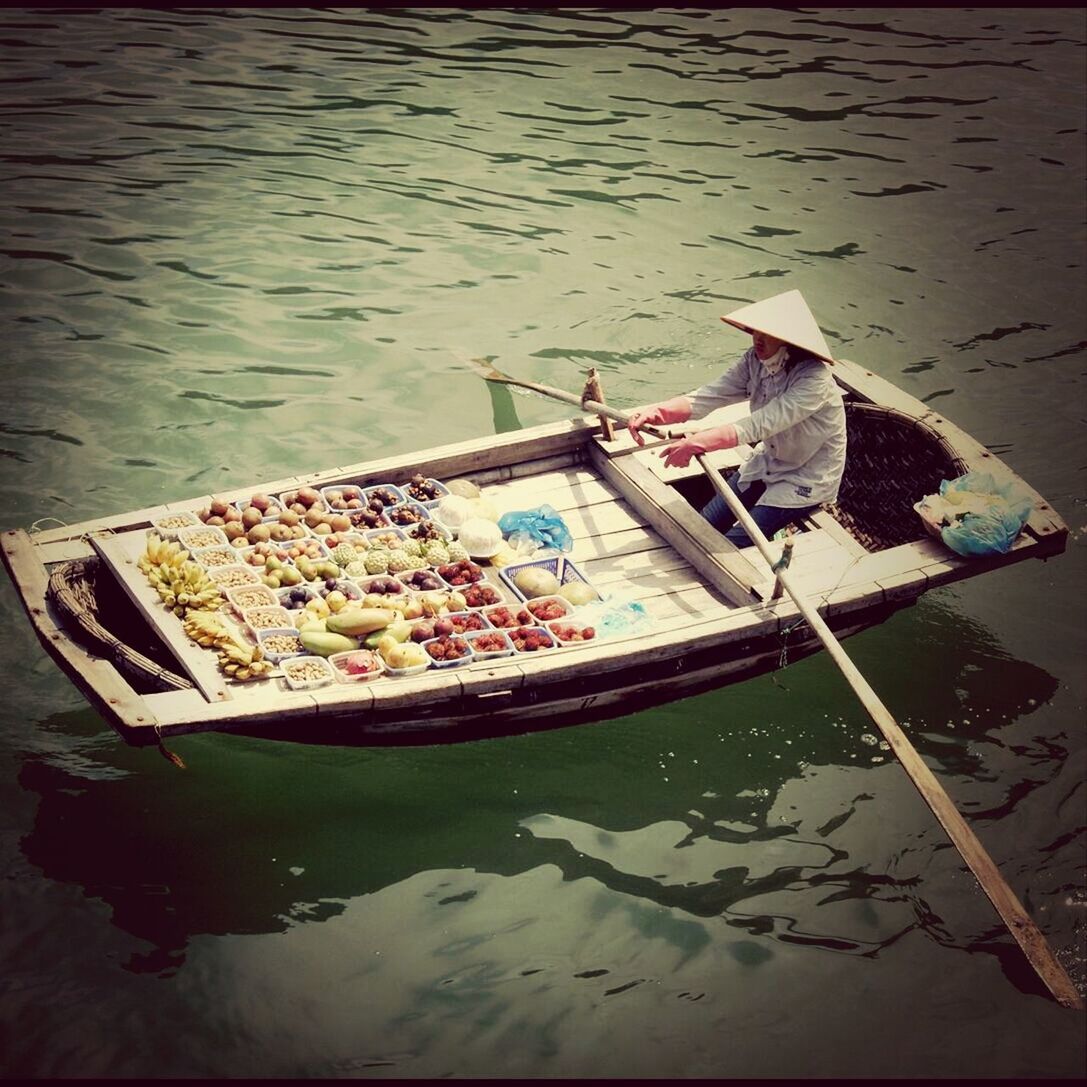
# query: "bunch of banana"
161,551
184,586
206,629
242,663
237,661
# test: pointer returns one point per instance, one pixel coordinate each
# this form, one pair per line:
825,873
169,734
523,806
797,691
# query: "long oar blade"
1027,935
1018,921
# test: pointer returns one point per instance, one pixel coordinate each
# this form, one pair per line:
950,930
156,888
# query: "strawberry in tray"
530,639
509,617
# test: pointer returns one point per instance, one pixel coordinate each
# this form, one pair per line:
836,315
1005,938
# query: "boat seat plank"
720,563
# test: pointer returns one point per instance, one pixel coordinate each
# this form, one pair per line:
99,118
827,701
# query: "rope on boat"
169,755
783,659
35,527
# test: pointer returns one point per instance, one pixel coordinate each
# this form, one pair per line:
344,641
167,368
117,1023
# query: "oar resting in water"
1027,935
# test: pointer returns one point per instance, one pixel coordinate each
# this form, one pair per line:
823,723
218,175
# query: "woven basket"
893,461
86,602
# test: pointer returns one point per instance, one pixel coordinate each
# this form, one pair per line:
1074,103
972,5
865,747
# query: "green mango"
325,643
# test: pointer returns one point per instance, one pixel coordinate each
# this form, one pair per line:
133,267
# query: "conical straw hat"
785,317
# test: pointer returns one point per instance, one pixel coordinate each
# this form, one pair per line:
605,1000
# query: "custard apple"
437,554
457,552
377,561
398,561
412,547
356,568
343,554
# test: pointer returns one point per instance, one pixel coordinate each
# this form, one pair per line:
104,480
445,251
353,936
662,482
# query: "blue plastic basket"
558,565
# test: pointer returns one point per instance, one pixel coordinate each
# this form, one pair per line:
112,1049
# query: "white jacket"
798,416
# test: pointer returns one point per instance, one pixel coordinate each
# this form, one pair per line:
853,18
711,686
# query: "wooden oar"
1019,923
591,407
1023,929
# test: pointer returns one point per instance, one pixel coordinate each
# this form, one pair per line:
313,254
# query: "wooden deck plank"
119,552
624,542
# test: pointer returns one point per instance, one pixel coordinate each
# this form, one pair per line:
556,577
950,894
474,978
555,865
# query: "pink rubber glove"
676,410
679,454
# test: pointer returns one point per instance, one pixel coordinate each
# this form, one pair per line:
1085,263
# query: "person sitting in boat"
796,413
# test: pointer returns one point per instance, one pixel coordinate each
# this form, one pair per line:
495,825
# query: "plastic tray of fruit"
508,616
351,539
318,569
411,670
384,537
366,519
265,507
530,639
407,514
308,547
307,671
572,632
202,536
428,530
170,524
464,621
545,608
356,665
381,585
252,596
281,575
344,497
560,567
464,572
302,499
427,492
345,587
270,617
483,594
215,556
296,597
230,577
448,651
386,493
279,643
487,644
424,581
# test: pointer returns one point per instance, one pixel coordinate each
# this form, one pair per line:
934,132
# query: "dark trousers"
770,519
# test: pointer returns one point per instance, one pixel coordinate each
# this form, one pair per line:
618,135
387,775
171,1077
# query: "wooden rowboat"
638,534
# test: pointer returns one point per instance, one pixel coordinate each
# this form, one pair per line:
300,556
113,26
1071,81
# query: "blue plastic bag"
994,517
544,525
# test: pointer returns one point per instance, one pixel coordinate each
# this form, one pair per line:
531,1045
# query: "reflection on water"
229,845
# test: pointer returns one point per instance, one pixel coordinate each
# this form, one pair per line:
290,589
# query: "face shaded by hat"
785,317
